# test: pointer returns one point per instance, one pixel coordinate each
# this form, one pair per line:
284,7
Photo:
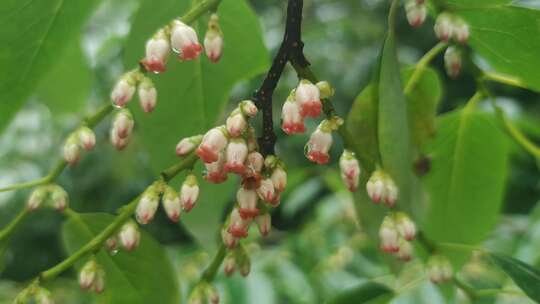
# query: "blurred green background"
318,245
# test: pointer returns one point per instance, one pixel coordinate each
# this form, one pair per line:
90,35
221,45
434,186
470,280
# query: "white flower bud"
123,124
172,204
129,236
189,193
439,269
389,236
292,121
72,151
308,96
42,296
228,239
213,40
247,203
461,31
238,226
444,27
350,170
236,123
452,61
214,171
87,138
229,264
99,284
266,190
213,142
318,146
59,197
405,226
184,41
157,51
381,187
416,13
147,206
264,223
187,145
147,95
118,143
236,155
279,179
405,251
37,197
254,162
248,108
87,275
123,91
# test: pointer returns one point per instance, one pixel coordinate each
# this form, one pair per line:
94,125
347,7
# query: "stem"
392,16
6,232
199,9
92,120
209,273
421,66
512,81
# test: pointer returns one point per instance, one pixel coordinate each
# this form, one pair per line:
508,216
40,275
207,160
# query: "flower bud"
88,274
187,145
292,122
87,138
254,162
236,155
325,89
236,123
381,187
318,146
405,251
248,108
416,13
264,223
147,206
229,264
123,90
129,236
111,243
405,226
251,140
171,204
99,284
276,201
279,179
389,236
452,61
43,296
461,31
212,294
59,197
36,199
439,269
118,143
157,51
244,265
147,95
189,193
213,40
228,239
213,142
247,203
350,170
444,27
214,171
123,123
184,41
238,226
72,151
266,190
308,96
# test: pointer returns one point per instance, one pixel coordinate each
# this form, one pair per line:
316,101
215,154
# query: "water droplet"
114,251
115,105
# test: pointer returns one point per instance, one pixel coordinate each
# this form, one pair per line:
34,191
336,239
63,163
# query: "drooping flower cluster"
82,138
396,232
34,294
53,195
439,269
204,292
448,26
382,188
237,258
92,276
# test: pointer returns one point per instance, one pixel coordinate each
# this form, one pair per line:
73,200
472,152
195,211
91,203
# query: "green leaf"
34,35
505,35
367,293
466,181
144,275
192,95
524,275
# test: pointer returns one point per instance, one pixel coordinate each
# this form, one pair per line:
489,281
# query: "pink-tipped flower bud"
37,197
452,61
405,251
123,123
350,170
119,143
389,236
213,40
189,193
99,283
147,206
184,41
187,145
247,203
228,239
72,150
248,108
147,95
59,197
123,90
254,162
318,146
238,226
88,274
308,96
236,155
416,13
279,179
157,51
87,138
264,223
229,264
461,31
171,204
213,142
212,294
111,244
236,123
444,27
292,121
405,226
244,266
381,187
439,269
266,190
214,172
129,236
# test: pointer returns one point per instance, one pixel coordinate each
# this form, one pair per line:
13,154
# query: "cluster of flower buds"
350,170
439,269
382,188
92,276
213,40
204,293
396,232
54,195
320,141
125,88
121,129
304,101
448,26
237,259
83,138
416,11
453,61
34,294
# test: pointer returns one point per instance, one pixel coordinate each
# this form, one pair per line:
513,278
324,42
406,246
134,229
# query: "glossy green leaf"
144,275
367,293
505,35
34,35
524,275
466,181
